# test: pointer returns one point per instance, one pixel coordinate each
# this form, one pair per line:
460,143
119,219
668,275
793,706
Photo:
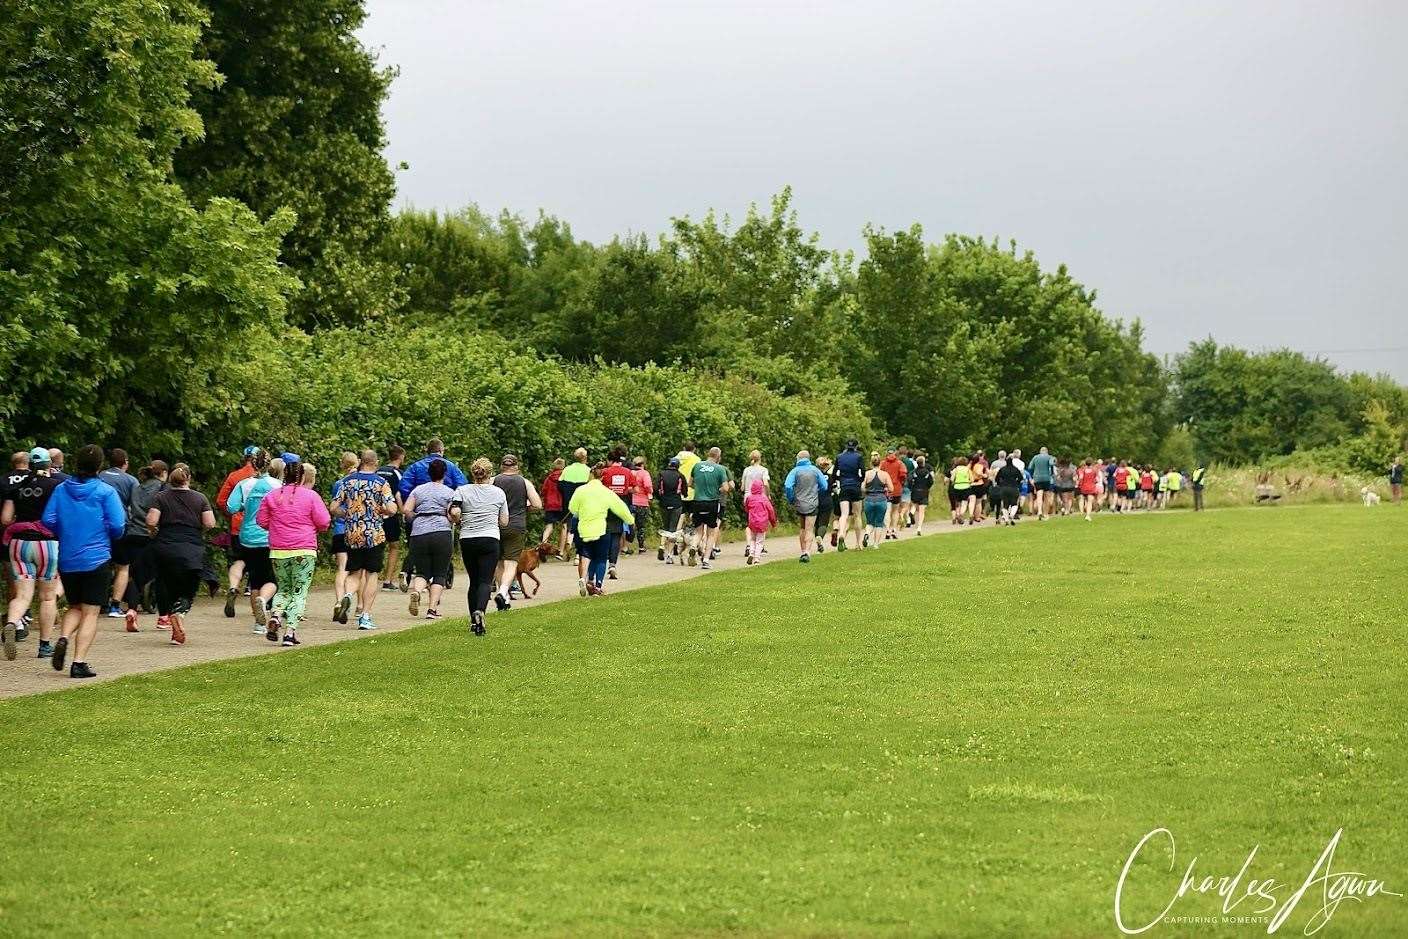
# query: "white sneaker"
582,586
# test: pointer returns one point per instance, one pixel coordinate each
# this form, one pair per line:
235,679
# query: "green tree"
297,124
116,294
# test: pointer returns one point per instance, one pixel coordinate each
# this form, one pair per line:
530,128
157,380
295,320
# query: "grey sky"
1234,170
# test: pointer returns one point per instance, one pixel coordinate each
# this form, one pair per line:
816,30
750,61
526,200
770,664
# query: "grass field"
951,736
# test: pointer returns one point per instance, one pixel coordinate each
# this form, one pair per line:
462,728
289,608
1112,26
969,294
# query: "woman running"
1007,486
1065,484
553,511
427,510
591,503
343,599
33,552
1088,479
481,509
978,467
876,487
755,470
762,518
825,505
177,521
293,515
921,482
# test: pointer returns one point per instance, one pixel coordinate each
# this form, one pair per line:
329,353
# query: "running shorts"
371,559
128,548
706,514
87,588
672,517
919,496
1006,495
234,553
1042,485
553,516
850,492
34,560
511,541
339,544
894,500
392,527
258,566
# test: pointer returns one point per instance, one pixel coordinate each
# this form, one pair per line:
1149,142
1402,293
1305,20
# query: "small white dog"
1371,498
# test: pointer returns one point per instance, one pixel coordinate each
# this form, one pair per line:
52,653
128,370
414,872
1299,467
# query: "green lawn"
954,735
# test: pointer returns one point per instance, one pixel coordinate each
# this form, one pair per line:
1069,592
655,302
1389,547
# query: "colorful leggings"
293,576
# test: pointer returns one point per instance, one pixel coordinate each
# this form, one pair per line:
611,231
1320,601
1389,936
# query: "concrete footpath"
212,637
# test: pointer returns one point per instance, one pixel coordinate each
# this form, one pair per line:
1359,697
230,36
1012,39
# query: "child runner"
762,518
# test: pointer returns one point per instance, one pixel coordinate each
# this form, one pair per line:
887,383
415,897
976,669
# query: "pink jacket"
761,514
293,516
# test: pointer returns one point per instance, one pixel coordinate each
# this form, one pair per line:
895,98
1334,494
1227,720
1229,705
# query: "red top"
1122,478
897,472
223,499
1088,478
552,496
618,479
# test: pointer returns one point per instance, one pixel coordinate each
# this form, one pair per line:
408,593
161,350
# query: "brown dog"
528,562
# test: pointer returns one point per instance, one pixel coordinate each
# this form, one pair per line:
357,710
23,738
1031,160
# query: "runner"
711,480
921,483
960,490
293,515
895,471
33,552
620,480
418,472
640,501
19,469
1065,485
1146,487
254,540
754,470
236,560
520,495
432,540
125,483
177,521
805,490
762,518
1131,488
481,508
364,500
553,509
1088,480
591,504
670,489
1007,487
142,579
978,467
56,464
576,475
343,597
826,503
850,468
689,537
906,495
1111,493
86,517
876,486
391,526
1043,470
1122,486
1173,485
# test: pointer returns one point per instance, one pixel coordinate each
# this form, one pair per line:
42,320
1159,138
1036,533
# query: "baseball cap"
674,461
250,450
39,455
290,458
852,443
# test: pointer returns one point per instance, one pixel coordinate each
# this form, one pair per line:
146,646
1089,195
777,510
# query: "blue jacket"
86,516
850,467
803,466
245,498
419,472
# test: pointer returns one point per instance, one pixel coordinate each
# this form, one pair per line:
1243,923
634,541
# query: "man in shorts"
521,495
363,502
711,481
894,469
1043,470
233,553
805,490
670,489
688,459
86,517
850,468
123,550
391,472
906,493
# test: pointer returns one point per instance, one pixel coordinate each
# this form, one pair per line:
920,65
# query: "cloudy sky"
1238,170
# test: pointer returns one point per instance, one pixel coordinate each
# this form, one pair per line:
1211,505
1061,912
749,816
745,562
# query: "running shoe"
595,591
833,539
60,654
271,631
113,610
163,622
865,540
714,553
26,621
230,602
660,554
261,613
22,630
131,624
748,559
513,592
46,649
842,545
704,565
259,630
670,560
500,603
611,572
414,605
387,585
246,590
432,614
11,650
820,548
178,632
339,613
582,587
364,622
81,670
747,551
805,559
403,580
476,622
290,640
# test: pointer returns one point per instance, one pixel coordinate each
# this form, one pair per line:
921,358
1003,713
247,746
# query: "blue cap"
251,450
39,455
290,458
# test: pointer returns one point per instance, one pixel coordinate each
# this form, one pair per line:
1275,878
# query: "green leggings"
293,576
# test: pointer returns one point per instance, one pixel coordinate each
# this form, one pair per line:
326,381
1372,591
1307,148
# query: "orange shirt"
231,481
894,468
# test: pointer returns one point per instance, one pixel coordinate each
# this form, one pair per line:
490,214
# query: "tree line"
197,232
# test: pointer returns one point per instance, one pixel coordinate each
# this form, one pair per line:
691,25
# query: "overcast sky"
1226,169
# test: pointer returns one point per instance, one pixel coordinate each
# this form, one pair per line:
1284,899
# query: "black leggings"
481,556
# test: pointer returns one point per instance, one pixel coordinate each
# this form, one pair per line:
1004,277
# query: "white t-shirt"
480,505
750,473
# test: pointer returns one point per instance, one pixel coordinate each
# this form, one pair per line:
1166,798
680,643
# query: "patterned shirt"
364,497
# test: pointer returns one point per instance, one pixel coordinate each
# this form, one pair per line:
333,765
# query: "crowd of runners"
108,542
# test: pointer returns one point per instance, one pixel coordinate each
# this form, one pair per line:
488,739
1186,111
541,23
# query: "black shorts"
234,553
258,566
850,493
672,515
511,541
371,560
894,500
127,549
339,544
1006,495
1041,485
919,496
392,527
553,516
87,588
706,515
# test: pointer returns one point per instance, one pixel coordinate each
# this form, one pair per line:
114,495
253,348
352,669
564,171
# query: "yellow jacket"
591,503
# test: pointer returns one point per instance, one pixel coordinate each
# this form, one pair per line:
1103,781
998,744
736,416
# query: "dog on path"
528,562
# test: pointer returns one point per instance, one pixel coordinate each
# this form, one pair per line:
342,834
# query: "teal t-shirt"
709,479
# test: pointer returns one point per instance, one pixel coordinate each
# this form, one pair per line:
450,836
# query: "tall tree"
115,291
297,124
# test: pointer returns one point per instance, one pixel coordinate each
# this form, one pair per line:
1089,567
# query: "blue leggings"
597,552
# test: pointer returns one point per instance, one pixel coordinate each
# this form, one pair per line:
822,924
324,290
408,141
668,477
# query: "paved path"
211,637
